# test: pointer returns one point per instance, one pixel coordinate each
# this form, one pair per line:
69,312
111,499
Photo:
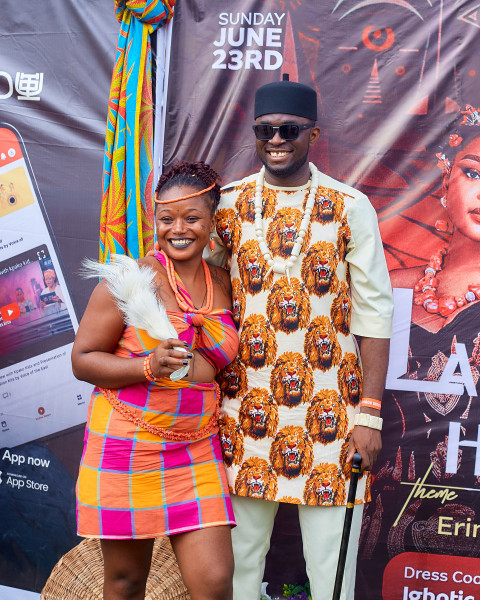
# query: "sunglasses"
288,132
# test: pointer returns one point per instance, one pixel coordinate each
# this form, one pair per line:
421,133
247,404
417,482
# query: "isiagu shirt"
291,395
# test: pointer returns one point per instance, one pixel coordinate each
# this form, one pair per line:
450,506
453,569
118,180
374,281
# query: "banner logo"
27,85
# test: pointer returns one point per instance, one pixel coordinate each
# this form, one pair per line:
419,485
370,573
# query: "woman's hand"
166,358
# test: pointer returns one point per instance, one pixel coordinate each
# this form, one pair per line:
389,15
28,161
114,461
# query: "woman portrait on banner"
450,282
445,313
52,292
152,463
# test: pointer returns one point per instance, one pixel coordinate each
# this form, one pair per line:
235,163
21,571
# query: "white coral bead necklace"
277,265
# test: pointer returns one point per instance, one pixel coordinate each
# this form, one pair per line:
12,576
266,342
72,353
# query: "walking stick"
347,525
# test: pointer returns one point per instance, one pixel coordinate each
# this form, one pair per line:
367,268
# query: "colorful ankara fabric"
290,398
126,222
211,334
133,484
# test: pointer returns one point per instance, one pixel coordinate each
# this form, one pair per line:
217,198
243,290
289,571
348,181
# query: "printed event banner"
398,91
55,70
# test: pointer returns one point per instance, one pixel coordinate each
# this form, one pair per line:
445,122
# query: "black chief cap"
286,97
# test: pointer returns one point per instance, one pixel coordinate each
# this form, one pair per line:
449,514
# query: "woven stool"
78,575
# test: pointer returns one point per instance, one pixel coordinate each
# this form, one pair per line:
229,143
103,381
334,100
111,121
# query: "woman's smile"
180,243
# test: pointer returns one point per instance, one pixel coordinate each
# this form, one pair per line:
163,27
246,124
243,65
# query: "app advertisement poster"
398,86
54,78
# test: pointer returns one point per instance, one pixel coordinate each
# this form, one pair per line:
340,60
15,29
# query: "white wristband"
367,420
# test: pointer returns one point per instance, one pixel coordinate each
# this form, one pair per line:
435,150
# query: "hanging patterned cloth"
126,222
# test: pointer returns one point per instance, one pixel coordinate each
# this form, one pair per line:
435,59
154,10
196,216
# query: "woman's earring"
211,244
443,201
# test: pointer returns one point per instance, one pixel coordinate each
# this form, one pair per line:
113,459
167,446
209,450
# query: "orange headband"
185,197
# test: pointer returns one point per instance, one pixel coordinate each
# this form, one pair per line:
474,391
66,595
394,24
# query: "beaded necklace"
425,291
276,265
182,297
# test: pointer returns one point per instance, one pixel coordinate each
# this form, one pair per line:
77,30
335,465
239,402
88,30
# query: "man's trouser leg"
251,542
322,528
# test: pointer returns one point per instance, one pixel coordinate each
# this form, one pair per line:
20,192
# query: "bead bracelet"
147,368
368,421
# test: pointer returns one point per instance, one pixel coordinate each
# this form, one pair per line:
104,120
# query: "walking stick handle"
347,525
357,461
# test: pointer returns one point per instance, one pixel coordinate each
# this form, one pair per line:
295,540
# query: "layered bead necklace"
425,291
182,297
277,265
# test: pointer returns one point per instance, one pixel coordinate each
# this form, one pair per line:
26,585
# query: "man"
308,271
25,304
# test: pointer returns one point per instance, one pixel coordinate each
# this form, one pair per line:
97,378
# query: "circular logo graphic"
11,152
41,410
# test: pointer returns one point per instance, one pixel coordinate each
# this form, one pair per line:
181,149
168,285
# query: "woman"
450,282
445,300
52,291
152,463
445,313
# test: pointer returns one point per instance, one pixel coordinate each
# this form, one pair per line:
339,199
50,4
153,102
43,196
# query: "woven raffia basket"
78,575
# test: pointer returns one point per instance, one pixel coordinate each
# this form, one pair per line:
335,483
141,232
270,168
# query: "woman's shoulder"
221,280
220,276
147,261
407,278
152,263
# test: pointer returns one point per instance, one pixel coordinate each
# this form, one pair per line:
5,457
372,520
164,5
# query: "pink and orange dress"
136,484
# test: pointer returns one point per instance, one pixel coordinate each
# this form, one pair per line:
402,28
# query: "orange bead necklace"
425,291
182,297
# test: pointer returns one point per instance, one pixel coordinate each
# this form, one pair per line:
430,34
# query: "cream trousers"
321,535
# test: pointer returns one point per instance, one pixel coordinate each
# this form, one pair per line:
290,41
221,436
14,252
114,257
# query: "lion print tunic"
290,397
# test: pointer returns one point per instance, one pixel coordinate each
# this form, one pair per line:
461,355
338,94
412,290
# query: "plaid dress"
133,484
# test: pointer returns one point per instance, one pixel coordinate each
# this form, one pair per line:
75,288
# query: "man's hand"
366,441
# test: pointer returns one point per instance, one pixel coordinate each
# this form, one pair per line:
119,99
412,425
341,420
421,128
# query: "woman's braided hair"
197,175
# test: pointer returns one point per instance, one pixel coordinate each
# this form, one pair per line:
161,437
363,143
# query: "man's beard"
284,173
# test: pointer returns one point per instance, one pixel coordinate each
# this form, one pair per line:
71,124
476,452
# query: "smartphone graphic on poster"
38,393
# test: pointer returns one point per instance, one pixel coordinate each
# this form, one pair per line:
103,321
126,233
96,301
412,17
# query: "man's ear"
314,135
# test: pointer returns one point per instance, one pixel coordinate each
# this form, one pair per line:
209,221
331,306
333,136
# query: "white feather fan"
131,285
